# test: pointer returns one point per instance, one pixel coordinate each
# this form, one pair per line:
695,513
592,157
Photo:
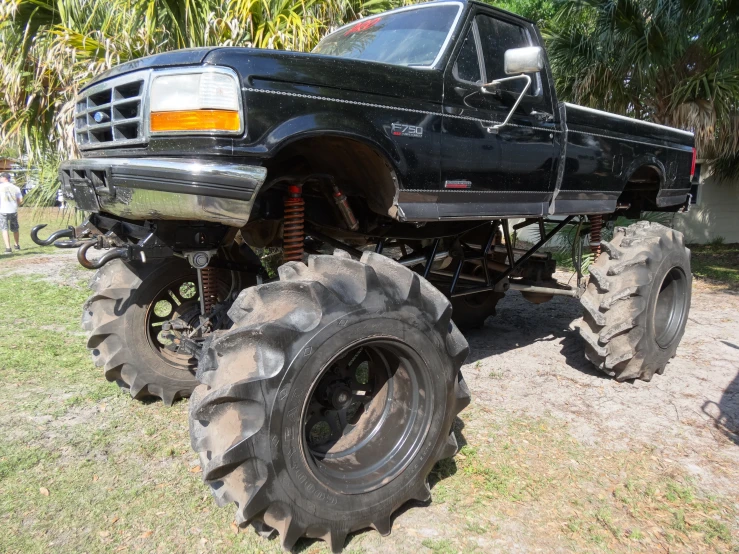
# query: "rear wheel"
325,406
124,318
637,301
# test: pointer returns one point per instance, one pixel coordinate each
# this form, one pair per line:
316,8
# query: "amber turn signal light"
195,120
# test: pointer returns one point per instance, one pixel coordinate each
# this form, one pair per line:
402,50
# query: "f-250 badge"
403,130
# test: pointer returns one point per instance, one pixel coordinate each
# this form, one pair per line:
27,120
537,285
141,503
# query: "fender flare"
647,160
384,198
304,127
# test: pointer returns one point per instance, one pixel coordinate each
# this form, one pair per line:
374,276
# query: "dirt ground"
556,456
687,413
529,361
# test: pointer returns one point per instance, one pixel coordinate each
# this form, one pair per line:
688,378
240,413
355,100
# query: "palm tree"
674,62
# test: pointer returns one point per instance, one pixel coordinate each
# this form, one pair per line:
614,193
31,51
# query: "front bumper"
163,188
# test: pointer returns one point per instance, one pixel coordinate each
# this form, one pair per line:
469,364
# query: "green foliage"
44,175
539,11
667,61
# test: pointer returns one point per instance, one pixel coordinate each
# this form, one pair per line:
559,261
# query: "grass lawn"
717,262
83,468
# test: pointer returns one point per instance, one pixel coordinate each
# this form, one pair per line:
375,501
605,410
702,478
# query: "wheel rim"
670,308
178,300
367,415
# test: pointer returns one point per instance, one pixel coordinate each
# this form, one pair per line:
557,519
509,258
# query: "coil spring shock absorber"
293,235
596,229
209,281
346,210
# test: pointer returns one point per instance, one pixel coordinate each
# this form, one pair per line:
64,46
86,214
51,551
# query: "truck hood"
258,67
188,56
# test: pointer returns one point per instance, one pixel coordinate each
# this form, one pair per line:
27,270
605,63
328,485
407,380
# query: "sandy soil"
690,414
529,361
59,267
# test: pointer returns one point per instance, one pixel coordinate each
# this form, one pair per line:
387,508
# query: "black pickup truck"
382,176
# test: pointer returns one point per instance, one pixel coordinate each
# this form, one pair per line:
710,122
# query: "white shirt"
10,197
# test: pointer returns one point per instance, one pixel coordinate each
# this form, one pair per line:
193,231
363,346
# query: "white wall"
716,213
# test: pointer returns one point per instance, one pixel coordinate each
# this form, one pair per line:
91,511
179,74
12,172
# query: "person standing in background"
10,199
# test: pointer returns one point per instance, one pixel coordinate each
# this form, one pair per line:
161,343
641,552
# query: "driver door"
508,172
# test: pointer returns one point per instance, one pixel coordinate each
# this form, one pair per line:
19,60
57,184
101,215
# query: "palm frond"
674,62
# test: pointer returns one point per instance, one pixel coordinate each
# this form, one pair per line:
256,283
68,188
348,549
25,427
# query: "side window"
496,37
467,66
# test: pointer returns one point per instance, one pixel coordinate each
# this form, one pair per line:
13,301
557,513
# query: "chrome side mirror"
517,62
523,60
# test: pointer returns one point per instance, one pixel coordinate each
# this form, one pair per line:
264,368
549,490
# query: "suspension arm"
523,259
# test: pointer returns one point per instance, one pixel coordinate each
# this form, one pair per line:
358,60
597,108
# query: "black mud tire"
637,301
470,312
248,418
115,319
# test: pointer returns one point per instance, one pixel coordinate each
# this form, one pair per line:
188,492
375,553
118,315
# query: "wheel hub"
367,414
671,307
341,397
172,316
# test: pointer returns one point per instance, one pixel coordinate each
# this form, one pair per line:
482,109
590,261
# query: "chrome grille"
111,113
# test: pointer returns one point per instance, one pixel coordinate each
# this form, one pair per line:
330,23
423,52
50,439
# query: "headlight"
206,101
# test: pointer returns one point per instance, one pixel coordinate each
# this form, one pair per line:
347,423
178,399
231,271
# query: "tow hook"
79,236
117,241
53,237
123,252
148,248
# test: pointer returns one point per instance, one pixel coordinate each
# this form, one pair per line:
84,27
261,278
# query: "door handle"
543,117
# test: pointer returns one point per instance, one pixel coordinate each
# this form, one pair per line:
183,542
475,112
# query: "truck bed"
602,151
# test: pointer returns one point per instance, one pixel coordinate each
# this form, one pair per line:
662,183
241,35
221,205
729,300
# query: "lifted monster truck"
405,143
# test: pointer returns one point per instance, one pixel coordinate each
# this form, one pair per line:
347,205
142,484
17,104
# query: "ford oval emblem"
99,117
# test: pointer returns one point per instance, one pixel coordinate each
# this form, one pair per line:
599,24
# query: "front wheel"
124,318
326,405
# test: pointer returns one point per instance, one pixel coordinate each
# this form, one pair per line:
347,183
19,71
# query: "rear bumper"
163,188
672,197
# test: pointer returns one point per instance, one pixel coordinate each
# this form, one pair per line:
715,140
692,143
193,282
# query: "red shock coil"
209,276
596,229
293,234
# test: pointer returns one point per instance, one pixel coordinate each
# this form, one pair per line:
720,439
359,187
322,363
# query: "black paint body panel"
186,56
603,151
554,159
290,96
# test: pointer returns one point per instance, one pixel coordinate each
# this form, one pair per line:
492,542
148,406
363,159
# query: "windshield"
411,37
